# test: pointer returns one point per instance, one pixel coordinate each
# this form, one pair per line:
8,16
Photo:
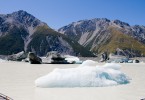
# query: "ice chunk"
86,75
72,59
88,63
112,65
1,60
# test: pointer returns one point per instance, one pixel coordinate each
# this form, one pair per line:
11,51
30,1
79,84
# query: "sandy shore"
17,81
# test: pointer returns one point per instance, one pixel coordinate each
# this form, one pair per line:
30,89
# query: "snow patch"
89,74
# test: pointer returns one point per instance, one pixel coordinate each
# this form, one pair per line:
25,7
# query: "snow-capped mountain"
21,31
98,35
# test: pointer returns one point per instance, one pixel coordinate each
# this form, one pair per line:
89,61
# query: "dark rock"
104,57
34,59
136,61
56,58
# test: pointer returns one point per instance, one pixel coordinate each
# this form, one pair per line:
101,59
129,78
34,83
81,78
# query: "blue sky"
57,13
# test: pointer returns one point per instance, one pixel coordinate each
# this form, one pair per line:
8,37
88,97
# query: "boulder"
56,58
135,61
104,57
33,59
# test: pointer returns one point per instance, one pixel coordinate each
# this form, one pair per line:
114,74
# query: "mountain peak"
21,31
95,33
120,23
101,19
20,12
22,16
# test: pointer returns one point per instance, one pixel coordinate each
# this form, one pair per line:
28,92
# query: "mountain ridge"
94,32
21,31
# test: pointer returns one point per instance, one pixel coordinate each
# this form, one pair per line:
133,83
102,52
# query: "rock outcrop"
33,59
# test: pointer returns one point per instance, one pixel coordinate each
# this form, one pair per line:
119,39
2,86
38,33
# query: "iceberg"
88,74
1,60
73,59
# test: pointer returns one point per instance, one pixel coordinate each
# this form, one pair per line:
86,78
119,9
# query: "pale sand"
17,81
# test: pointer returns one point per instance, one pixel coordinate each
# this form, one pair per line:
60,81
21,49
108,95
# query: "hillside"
100,34
21,31
121,43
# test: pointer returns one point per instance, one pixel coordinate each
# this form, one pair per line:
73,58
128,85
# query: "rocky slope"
101,34
21,31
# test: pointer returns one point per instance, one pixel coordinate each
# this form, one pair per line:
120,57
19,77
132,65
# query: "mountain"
21,31
113,36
